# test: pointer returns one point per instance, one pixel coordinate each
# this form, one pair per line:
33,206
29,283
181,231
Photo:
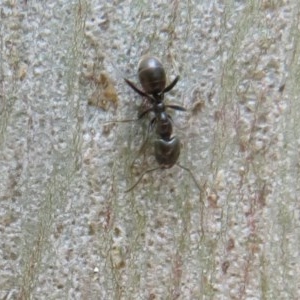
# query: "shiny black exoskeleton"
152,77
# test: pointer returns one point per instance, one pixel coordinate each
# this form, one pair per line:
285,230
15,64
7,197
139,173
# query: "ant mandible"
152,77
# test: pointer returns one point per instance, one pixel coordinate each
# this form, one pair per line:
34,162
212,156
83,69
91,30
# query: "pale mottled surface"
68,231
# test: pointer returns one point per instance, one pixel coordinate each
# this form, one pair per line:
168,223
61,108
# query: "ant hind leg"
140,178
192,175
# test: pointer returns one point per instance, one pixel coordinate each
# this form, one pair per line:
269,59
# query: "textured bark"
69,231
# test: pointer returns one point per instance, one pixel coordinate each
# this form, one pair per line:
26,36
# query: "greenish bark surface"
68,230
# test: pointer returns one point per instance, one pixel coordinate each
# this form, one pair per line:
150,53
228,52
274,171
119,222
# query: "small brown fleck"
230,244
281,88
92,228
225,266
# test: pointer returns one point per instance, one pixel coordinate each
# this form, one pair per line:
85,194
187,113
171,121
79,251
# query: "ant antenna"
156,168
147,171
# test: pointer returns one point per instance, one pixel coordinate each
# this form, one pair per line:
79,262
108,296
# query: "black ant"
152,77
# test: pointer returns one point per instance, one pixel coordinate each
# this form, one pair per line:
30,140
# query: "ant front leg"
135,88
176,107
171,85
143,113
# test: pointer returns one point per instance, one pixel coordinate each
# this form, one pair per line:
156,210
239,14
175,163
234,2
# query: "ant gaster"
152,77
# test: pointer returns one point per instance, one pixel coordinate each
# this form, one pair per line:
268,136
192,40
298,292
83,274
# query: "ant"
152,77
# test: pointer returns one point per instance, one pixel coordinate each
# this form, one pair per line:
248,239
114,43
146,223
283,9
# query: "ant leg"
171,85
191,173
140,92
120,121
143,113
136,89
176,107
147,171
141,150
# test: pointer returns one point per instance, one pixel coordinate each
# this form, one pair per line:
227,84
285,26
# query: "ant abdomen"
167,151
152,75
